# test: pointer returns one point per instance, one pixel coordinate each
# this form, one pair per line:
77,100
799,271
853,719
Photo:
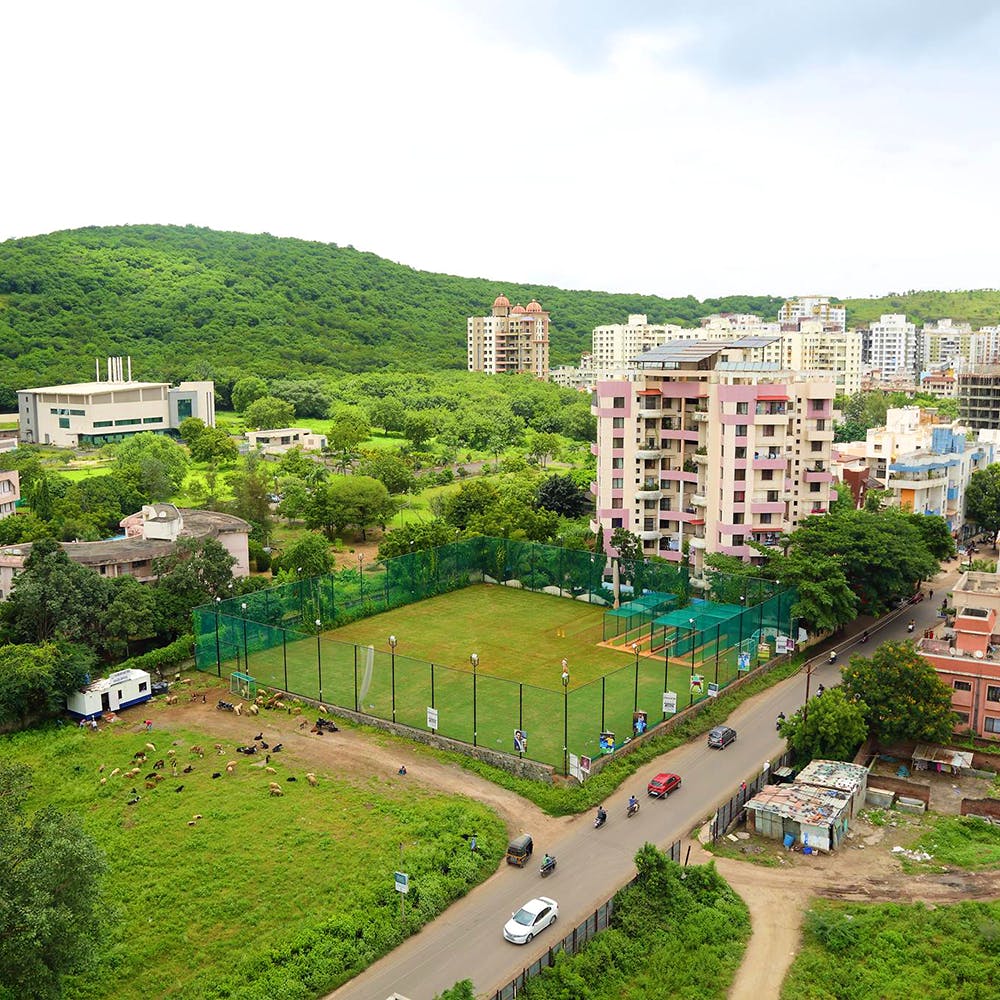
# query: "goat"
117,770
132,802
253,709
238,709
151,776
158,766
104,781
322,708
276,747
311,778
171,753
231,767
196,816
151,746
160,777
270,770
297,710
275,789
198,750
217,774
179,788
139,755
259,736
189,769
171,699
151,784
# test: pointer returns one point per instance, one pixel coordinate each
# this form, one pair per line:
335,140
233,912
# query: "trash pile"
912,855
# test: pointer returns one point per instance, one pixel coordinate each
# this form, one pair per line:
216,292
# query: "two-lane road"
466,940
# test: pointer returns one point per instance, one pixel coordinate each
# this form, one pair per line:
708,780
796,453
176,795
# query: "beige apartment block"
511,340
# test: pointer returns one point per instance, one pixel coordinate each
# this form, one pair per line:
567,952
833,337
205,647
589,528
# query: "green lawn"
262,894
521,639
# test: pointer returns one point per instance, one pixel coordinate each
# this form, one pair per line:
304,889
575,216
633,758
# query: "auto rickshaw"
519,850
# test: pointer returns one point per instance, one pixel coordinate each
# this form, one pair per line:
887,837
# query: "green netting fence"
276,636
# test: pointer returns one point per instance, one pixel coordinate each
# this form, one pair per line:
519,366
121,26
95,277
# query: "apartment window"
991,725
962,685
152,420
767,474
618,402
816,446
616,503
740,475
64,422
765,518
618,463
617,422
739,539
617,484
738,518
739,497
814,487
104,423
993,693
741,430
618,442
616,522
129,422
963,718
743,408
741,452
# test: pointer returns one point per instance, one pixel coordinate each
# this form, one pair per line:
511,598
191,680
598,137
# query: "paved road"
466,940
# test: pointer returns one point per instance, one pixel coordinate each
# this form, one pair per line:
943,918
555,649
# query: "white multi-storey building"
703,447
511,340
816,307
894,346
614,345
97,413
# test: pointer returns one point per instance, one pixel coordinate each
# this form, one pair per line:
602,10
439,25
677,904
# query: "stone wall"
987,808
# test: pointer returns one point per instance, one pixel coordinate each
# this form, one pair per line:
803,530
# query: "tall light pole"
218,649
691,623
474,660
565,684
246,659
392,646
635,700
319,657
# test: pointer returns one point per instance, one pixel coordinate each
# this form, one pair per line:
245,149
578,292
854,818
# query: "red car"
663,784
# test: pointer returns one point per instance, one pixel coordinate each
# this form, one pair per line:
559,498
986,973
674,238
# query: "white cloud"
421,132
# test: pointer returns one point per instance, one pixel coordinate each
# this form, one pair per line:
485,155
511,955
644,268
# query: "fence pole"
284,654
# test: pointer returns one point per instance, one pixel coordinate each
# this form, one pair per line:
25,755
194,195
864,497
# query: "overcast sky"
848,147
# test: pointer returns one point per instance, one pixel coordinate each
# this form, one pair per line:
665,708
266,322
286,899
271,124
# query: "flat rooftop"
974,582
84,388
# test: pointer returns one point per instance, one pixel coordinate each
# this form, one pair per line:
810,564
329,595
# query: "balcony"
701,457
697,542
701,416
650,536
651,448
698,500
778,462
648,492
817,476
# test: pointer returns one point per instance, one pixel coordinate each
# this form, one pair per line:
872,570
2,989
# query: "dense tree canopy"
832,728
903,696
151,463
982,498
50,900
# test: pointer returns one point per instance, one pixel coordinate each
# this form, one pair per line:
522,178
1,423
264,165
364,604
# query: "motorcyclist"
601,815
548,860
633,803
833,656
911,625
820,690
779,720
864,636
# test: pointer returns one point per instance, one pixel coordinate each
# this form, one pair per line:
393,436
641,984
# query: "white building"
511,340
91,414
614,345
894,346
277,442
123,689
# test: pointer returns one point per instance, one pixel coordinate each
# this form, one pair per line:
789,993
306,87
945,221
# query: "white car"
533,917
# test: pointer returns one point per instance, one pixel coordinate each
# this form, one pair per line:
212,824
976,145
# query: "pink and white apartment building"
703,448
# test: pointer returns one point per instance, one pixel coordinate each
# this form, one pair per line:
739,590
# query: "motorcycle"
225,706
631,809
548,866
602,818
833,656
864,636
910,625
779,721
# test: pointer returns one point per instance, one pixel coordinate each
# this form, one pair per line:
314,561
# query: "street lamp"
565,684
246,659
319,657
392,646
474,660
635,701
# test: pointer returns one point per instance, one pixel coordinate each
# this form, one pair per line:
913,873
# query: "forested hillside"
186,302
980,307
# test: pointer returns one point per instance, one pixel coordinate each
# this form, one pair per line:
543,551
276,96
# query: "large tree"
246,391
130,614
308,555
54,598
393,471
50,893
213,444
151,463
36,678
903,696
193,573
982,498
562,495
268,413
252,491
415,538
349,500
831,728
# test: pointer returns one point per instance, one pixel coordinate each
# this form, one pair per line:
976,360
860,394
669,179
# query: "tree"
36,678
936,536
54,598
825,599
393,471
195,572
248,390
294,494
982,498
343,500
628,545
213,445
190,428
562,495
832,729
418,427
251,488
542,447
268,413
50,898
131,614
152,464
472,498
903,696
310,397
387,413
308,555
416,538
349,428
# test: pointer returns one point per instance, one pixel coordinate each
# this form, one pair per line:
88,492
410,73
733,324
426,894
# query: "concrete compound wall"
908,789
987,808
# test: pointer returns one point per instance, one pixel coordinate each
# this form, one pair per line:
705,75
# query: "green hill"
980,307
187,302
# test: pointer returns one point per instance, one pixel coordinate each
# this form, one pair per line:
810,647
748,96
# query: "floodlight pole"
691,685
246,658
218,650
392,645
474,660
635,700
319,657
565,684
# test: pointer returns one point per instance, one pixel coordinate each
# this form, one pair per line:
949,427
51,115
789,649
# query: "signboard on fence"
783,644
402,882
432,718
763,650
713,689
669,702
585,766
576,768
744,662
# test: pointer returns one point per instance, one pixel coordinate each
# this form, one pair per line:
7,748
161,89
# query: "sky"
668,147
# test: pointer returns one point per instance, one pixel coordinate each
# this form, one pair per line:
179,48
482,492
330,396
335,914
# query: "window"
741,452
963,718
64,422
739,497
152,420
104,423
616,522
616,503
738,518
739,539
142,685
767,474
618,442
741,430
962,685
991,725
618,402
765,518
617,422
739,475
617,484
742,408
816,446
128,422
993,693
618,463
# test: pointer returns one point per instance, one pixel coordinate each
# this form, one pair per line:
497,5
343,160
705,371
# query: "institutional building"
149,533
91,414
705,448
511,340
10,492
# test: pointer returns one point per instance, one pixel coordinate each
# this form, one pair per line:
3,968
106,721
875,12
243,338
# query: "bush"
158,660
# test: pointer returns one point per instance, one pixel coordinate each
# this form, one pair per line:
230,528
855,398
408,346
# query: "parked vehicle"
519,850
663,784
533,917
721,736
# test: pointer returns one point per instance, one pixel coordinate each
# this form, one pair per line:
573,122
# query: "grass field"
521,639
272,897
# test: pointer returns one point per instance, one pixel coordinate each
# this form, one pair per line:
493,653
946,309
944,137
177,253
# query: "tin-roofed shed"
810,816
840,775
